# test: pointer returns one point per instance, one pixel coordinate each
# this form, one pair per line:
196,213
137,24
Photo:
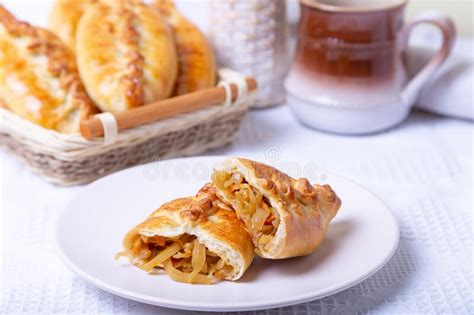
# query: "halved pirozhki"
194,240
285,217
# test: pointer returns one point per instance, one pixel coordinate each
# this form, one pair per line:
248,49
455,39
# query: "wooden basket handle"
92,127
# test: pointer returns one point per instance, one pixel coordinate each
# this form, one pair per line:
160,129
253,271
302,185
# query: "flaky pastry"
126,54
195,240
64,18
197,64
38,77
285,217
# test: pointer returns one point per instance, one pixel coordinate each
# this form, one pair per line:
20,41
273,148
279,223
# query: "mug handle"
447,28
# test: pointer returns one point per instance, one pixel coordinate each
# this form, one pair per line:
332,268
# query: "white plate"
361,239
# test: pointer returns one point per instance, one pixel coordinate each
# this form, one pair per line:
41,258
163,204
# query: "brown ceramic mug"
349,73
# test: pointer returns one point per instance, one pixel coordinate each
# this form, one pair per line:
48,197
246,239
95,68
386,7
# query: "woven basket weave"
71,159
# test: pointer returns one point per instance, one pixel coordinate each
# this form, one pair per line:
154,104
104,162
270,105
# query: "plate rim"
214,307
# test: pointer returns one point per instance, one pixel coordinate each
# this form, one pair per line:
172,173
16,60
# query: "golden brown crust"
329,202
305,211
126,54
38,77
204,216
197,64
64,18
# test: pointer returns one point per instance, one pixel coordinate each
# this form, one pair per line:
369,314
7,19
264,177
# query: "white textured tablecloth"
422,169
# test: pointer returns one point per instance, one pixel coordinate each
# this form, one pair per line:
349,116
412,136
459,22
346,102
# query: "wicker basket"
71,159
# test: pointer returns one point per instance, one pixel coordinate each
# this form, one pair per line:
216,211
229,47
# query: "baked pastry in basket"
126,54
197,64
285,217
195,240
39,80
64,18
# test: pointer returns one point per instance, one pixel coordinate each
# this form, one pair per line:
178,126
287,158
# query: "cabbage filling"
183,258
250,205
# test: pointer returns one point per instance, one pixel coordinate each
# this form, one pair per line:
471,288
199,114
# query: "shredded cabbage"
183,258
162,256
120,255
249,204
259,218
199,257
179,276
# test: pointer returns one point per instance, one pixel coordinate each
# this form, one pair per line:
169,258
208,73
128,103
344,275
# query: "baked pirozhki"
64,18
285,217
197,64
126,54
194,240
39,80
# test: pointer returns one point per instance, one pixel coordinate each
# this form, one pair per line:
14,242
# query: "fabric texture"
449,92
